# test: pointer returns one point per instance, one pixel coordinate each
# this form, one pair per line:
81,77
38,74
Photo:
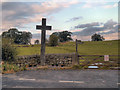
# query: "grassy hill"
88,48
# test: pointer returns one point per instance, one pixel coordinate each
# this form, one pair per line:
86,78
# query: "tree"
11,34
36,42
25,38
17,36
56,33
63,36
97,37
53,40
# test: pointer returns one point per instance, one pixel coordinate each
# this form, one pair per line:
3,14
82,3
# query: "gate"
98,61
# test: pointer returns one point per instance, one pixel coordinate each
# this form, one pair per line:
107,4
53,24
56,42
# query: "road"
61,79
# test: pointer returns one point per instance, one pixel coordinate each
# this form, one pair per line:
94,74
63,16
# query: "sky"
83,19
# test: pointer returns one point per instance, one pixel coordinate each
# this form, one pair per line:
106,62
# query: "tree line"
22,37
57,37
13,36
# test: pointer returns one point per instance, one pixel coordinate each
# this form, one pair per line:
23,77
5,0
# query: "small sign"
93,67
106,57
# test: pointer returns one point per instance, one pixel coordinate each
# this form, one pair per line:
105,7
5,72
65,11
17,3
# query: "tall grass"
11,68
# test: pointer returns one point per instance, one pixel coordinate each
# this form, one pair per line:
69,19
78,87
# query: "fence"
99,60
69,60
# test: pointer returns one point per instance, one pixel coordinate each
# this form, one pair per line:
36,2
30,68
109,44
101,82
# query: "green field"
88,48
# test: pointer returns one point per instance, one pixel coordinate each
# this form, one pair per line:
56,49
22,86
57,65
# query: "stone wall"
51,59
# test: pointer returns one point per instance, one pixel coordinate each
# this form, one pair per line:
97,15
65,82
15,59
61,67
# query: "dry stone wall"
51,59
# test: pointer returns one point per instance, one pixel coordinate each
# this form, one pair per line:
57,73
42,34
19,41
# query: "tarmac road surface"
61,79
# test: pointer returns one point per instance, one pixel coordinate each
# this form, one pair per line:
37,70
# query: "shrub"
8,52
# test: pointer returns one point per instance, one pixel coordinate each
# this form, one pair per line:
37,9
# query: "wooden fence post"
75,59
76,46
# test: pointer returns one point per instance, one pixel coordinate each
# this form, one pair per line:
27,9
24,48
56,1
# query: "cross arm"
38,27
41,27
48,27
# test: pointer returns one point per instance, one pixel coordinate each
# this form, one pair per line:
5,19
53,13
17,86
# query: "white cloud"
115,5
30,13
99,4
115,25
60,0
105,31
110,6
76,30
93,4
87,6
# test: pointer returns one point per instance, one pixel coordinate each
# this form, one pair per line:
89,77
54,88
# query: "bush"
53,40
8,52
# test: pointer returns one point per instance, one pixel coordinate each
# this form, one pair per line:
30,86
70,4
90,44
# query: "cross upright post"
43,27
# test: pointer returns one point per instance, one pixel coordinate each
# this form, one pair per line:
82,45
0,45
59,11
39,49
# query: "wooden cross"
43,27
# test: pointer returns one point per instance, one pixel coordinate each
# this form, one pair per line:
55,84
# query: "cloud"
109,30
110,24
72,1
87,25
19,14
112,36
93,4
99,4
83,38
110,6
75,19
88,29
14,14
